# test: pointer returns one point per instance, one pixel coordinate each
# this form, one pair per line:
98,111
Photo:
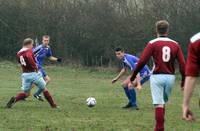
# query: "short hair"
162,27
119,49
27,41
45,36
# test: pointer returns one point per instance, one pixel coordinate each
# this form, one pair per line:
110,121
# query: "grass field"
71,87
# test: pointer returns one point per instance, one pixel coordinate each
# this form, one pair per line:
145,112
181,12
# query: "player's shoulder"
131,56
47,47
37,47
161,39
195,38
23,50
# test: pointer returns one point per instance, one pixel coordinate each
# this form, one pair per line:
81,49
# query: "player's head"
45,40
119,52
28,43
162,28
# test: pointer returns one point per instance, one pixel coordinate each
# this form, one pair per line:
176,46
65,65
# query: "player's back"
195,43
165,51
26,59
131,62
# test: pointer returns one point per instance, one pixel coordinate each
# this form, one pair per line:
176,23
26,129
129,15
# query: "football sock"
133,97
126,91
159,116
49,98
20,96
38,92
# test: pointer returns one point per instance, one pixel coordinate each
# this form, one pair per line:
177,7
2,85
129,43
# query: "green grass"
70,88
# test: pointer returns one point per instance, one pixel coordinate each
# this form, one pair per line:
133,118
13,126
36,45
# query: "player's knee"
124,85
135,84
158,105
47,79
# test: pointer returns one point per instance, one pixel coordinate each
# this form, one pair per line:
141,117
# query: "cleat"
55,107
127,106
11,102
23,99
38,97
134,108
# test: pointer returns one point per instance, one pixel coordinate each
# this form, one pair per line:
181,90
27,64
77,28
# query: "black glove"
59,60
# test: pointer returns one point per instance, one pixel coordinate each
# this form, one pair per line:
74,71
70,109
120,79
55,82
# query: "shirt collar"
124,57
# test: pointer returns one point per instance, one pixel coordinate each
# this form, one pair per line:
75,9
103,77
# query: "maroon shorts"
193,60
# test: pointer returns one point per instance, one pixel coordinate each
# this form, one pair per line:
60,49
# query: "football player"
164,52
30,75
130,61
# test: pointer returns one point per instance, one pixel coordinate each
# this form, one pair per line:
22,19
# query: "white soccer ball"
91,102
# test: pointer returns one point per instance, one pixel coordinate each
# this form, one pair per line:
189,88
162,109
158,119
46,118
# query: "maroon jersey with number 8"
27,60
164,52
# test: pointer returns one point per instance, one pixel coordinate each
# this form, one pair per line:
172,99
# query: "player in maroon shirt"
164,52
192,72
30,75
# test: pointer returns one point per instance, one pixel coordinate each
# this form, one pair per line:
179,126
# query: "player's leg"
161,86
41,84
44,75
37,94
157,91
47,79
132,94
126,91
26,87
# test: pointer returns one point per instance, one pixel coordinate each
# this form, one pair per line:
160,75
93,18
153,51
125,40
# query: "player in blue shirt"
41,52
130,61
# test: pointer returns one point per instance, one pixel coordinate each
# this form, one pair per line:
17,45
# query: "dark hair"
119,49
162,27
45,36
27,41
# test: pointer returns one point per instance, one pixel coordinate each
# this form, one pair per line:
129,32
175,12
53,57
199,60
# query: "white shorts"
32,78
161,86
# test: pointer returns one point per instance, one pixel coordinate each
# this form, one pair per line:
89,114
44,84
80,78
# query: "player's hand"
59,60
187,114
114,80
130,84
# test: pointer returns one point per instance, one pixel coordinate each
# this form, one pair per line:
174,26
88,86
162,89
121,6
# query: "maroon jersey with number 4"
164,52
27,60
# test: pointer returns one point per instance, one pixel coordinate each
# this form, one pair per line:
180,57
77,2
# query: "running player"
130,61
41,52
30,75
192,73
164,52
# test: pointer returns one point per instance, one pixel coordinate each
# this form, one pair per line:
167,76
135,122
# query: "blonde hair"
27,41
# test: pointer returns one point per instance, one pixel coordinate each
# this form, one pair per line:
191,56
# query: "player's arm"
52,58
190,83
181,61
145,56
123,70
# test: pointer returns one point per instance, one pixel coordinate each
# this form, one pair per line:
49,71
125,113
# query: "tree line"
85,32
